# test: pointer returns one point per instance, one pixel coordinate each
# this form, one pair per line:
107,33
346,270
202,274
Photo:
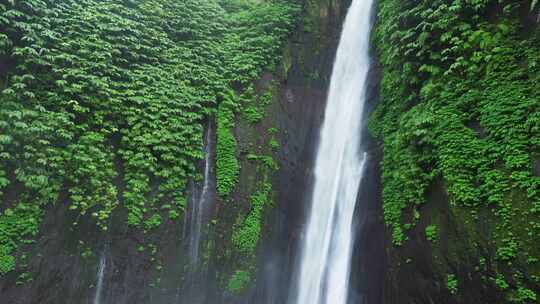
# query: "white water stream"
199,204
100,275
193,289
324,265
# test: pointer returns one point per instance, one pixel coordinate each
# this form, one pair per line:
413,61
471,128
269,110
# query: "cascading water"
99,279
324,264
197,217
199,204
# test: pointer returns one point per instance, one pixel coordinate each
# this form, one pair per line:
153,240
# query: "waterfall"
99,279
198,204
324,264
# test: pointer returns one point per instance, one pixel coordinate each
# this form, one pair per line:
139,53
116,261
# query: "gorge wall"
104,109
459,122
266,125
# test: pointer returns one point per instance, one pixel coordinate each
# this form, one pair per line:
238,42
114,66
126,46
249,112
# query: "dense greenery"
263,29
460,105
259,31
238,281
431,233
226,162
249,223
104,101
246,236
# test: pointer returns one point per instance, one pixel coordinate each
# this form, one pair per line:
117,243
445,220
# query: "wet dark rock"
536,166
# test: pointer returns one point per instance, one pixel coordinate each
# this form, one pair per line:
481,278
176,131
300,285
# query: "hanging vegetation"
461,104
104,101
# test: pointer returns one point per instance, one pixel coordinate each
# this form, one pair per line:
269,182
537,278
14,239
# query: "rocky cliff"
458,119
105,107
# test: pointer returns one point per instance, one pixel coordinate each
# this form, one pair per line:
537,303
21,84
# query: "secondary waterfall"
324,265
100,275
200,207
198,203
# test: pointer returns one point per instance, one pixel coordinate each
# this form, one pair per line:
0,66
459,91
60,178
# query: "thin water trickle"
99,279
198,204
192,289
325,253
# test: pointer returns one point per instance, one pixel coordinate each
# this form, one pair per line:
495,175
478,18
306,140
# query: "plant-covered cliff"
459,119
104,107
101,131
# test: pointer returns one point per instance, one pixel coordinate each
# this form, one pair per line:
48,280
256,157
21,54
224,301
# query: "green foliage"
23,278
258,32
452,283
266,161
252,114
173,215
238,281
227,166
507,251
246,236
274,144
247,229
500,282
431,233
523,295
153,222
87,253
17,225
104,100
273,131
255,107
459,105
7,261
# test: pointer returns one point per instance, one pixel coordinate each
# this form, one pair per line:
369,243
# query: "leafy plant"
459,107
226,162
246,236
452,283
431,233
239,281
103,101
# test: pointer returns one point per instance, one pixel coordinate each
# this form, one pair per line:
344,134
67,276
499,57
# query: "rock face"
463,222
276,156
302,107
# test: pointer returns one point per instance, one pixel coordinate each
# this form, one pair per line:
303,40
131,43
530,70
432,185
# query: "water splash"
324,264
